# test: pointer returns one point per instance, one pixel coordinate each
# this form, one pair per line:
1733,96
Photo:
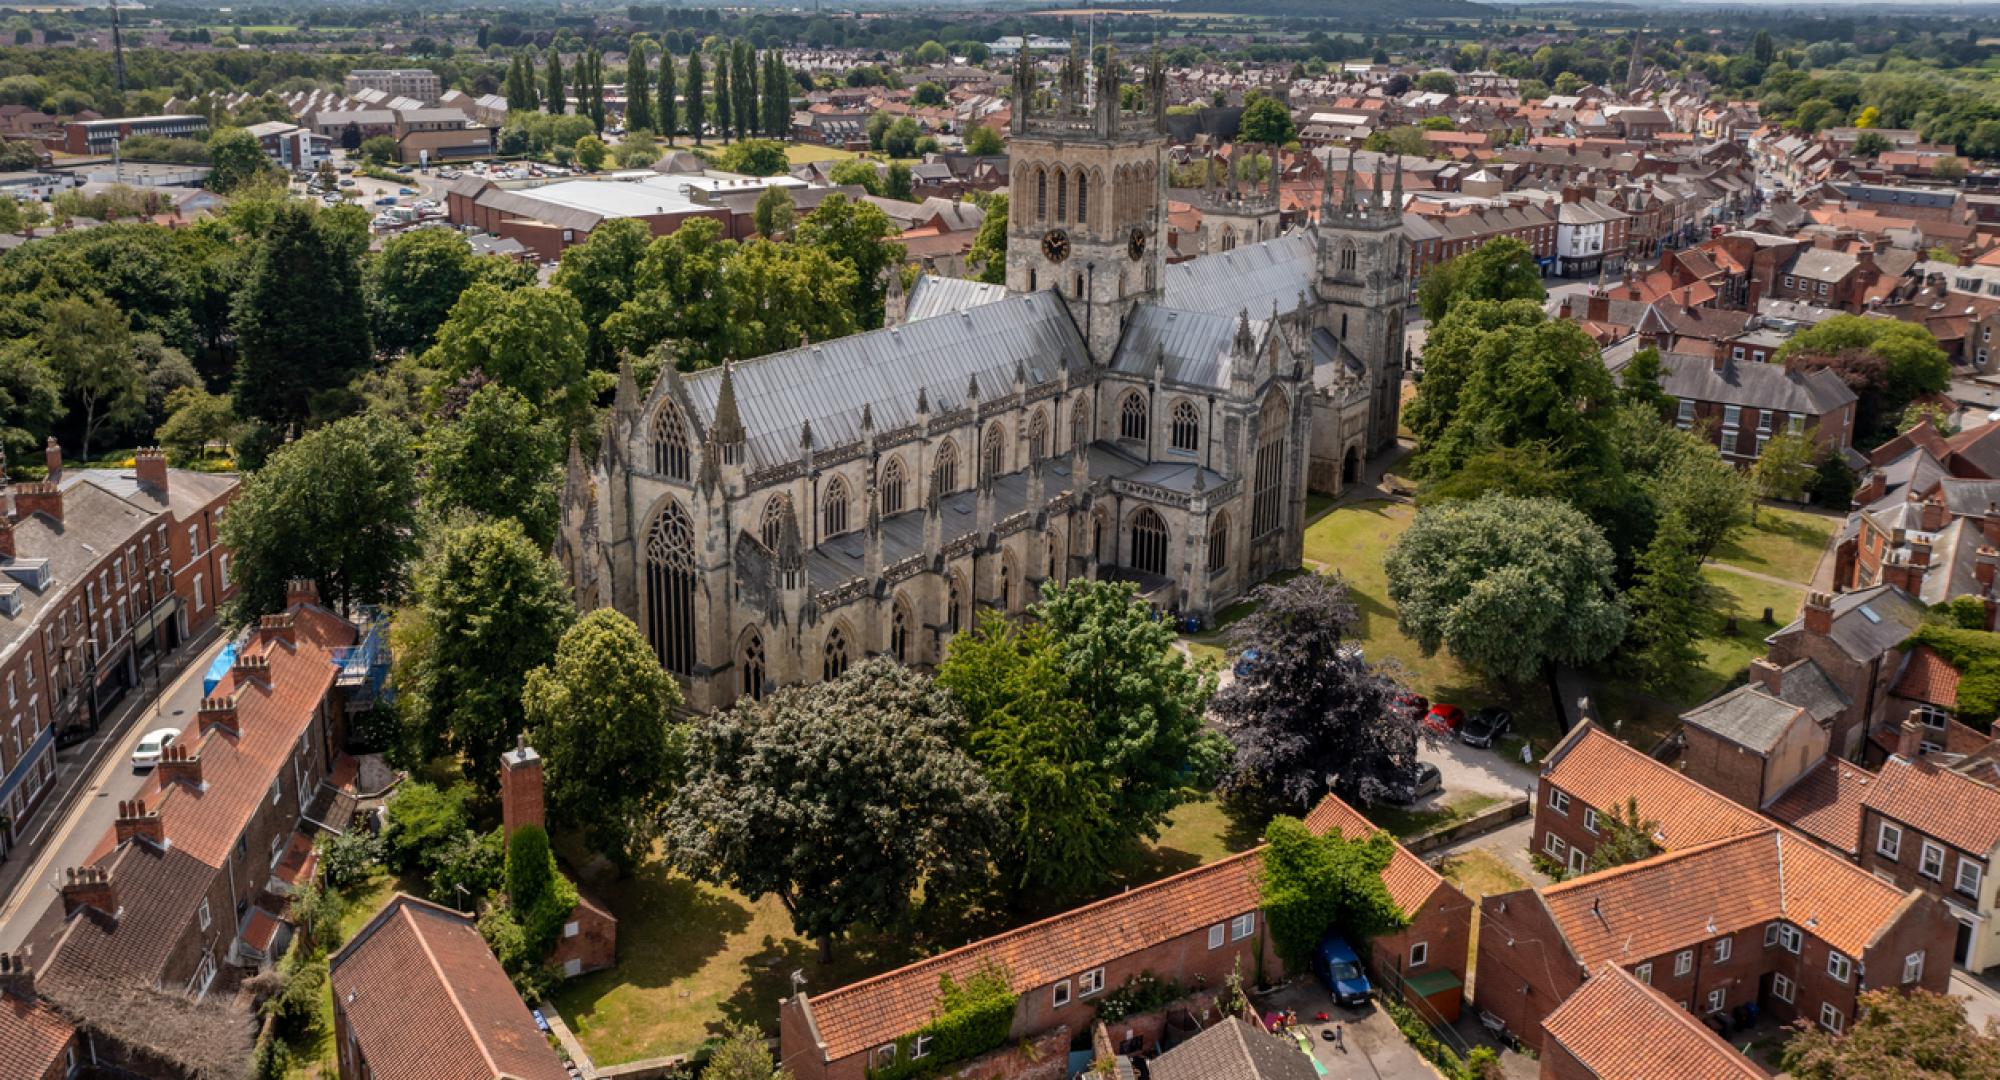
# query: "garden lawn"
1782,542
1406,823
806,153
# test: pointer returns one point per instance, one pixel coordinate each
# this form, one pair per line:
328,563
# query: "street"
27,883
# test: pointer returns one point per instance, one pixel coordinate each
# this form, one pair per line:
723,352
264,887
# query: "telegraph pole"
117,49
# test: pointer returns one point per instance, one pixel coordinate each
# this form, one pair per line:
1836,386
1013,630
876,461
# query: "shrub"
540,896
1420,1037
1976,656
1141,993
972,1018
509,942
422,820
348,858
471,867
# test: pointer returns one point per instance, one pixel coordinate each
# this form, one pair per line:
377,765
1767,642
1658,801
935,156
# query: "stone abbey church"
1104,415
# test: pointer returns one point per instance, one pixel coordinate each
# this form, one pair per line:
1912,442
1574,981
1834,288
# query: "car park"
153,747
1486,726
1444,719
1339,970
1424,779
406,191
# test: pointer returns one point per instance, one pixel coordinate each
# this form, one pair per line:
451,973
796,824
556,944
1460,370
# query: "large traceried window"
1187,427
1218,543
833,508
996,450
1267,505
670,442
954,604
1038,434
772,528
1132,417
752,665
890,486
833,662
670,584
1149,542
946,467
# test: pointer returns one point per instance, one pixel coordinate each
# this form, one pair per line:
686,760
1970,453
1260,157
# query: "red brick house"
1194,928
417,994
35,1043
1617,1026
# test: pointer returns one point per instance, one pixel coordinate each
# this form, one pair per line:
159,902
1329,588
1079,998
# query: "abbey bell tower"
1087,192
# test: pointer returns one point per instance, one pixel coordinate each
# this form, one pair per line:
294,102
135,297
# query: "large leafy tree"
638,85
1507,585
839,799
1899,1035
1307,715
1888,363
1266,122
1308,883
668,115
495,605
1038,748
498,458
1667,602
1500,269
1675,472
336,506
1627,838
532,341
234,159
678,297
301,318
88,346
989,244
416,279
603,715
857,234
30,399
696,111
602,273
1144,699
781,294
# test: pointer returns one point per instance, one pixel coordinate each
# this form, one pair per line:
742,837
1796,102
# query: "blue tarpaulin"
223,662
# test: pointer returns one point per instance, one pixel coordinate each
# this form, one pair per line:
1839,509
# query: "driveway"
1470,770
1371,1048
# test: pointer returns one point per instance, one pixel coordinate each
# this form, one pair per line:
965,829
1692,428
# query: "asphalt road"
70,839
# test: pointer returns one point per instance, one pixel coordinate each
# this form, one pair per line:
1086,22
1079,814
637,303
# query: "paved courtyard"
1370,1047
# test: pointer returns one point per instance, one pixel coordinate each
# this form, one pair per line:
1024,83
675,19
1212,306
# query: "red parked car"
1444,719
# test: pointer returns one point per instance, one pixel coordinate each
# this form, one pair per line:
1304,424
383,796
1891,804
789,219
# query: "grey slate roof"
1804,684
1822,264
1746,716
1759,385
827,384
1194,346
1868,622
1898,196
1250,278
1233,1050
933,295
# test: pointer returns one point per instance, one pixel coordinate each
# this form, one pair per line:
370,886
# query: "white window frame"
1968,867
1770,934
202,914
1217,935
1090,982
1590,821
1913,966
885,1054
1723,949
1889,841
1420,954
1579,861
1784,989
921,1046
1839,967
1242,926
1644,973
1683,962
1059,994
1553,846
1925,865
1686,414
200,594
1559,801
1837,1022
1732,417
1791,937
1718,999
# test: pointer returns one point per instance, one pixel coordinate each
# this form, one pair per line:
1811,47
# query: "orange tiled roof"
1681,898
1826,803
1619,1027
1956,809
31,1037
1928,678
1598,769
425,998
1411,880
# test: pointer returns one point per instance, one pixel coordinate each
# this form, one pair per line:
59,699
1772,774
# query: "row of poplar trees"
752,94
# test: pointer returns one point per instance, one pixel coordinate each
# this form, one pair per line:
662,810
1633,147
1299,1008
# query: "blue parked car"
1339,968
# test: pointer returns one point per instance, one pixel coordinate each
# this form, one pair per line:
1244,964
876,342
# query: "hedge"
972,1019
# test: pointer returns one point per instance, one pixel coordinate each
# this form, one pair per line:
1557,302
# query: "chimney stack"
1767,676
251,668
301,591
177,763
1818,614
89,886
1920,552
52,454
17,975
1910,737
216,712
520,787
6,539
282,627
44,497
1984,562
151,465
1931,517
135,820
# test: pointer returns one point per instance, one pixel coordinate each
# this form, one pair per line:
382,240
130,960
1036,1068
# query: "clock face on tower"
1055,245
1135,246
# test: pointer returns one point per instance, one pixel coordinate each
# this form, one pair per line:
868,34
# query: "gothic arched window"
946,467
1082,198
772,528
1038,434
954,600
996,450
1058,572
890,483
670,579
1218,543
1349,258
833,659
1006,586
1062,196
1149,542
670,442
1268,503
899,633
1041,194
752,665
833,508
1132,417
1079,424
1187,427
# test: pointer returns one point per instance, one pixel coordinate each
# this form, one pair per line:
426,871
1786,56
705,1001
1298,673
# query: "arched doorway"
1350,468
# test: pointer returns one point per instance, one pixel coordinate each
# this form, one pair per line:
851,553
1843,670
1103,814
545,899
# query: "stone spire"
1347,184
728,425
1396,204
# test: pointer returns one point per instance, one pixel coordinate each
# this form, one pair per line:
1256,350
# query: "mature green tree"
743,1055
532,341
1784,469
679,296
378,149
557,103
774,214
301,318
592,89
725,98
743,83
838,798
336,506
496,606
899,183
538,895
1437,82
780,294
989,244
857,172
1667,605
602,273
1144,698
696,111
638,85
1626,838
1888,363
1678,472
668,114
777,95
1265,122
1900,1034
1507,585
900,140
30,399
1639,383
1500,269
498,458
591,152
754,157
984,140
859,235
1307,883
1030,735
602,714
88,346
1308,716
195,420
414,282
235,158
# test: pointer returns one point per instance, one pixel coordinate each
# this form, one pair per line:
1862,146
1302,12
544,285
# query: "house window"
1553,845
222,573
200,594
1723,949
1732,417
1838,966
1420,954
1968,877
1822,288
1784,989
1736,353
1579,860
1559,801
1717,998
1216,936
571,929
1791,282
1687,412
1770,934
1762,438
1684,962
885,1055
202,916
1643,973
1242,926
1830,1018
1060,996
1932,863
1913,966
1589,820
1790,938
1090,982
921,1046
1932,716
1889,844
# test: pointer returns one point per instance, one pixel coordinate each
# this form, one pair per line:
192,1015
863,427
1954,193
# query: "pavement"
1370,1048
1470,770
1981,995
92,779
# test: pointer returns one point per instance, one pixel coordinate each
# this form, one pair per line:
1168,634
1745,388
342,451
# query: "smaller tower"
520,788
